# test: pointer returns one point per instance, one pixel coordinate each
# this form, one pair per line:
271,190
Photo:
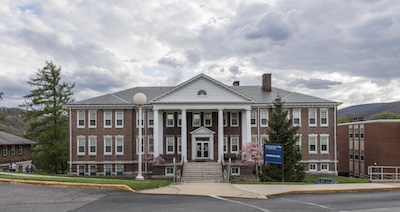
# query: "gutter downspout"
335,139
70,142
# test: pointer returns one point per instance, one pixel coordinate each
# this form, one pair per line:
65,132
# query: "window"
356,134
208,119
225,145
312,146
12,150
93,170
92,145
264,117
20,149
362,155
179,124
107,145
150,147
81,170
351,154
119,119
137,119
107,169
81,145
81,119
298,142
296,117
107,119
5,150
196,120
350,131
169,171
179,145
324,144
137,145
324,117
361,131
234,144
150,119
324,167
119,168
312,167
312,118
235,171
170,119
170,145
119,145
356,154
234,119
92,119
225,120
253,118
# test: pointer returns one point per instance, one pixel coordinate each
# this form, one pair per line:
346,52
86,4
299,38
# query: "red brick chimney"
266,82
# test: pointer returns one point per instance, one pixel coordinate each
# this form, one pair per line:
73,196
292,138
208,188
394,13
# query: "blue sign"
273,153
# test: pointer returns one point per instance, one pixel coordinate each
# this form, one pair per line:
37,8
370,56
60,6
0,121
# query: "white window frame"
298,141
119,139
322,117
205,119
225,119
324,169
235,171
232,119
5,150
107,117
137,145
312,165
92,140
169,171
80,116
179,122
351,132
296,115
13,150
150,119
170,140
179,145
91,170
234,139
150,146
225,147
312,139
195,119
362,131
168,121
117,118
79,170
106,139
119,169
137,119
253,118
80,140
312,115
20,150
324,140
92,117
264,117
107,167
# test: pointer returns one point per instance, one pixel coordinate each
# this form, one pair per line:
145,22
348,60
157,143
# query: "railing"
178,171
384,173
225,170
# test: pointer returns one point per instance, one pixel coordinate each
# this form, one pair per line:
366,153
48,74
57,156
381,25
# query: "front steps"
202,172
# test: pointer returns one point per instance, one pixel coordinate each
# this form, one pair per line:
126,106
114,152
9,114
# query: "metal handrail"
384,173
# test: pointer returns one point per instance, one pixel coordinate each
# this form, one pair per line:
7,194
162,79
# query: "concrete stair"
202,172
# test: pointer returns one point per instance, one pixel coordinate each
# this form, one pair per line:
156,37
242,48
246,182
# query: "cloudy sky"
342,50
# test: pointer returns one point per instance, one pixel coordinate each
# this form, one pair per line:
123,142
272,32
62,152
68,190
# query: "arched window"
202,93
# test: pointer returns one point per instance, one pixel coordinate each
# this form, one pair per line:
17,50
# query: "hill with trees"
368,111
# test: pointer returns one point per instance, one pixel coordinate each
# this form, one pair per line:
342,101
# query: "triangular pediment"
202,131
202,89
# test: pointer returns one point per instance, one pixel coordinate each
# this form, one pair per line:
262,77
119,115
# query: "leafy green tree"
282,131
385,115
48,122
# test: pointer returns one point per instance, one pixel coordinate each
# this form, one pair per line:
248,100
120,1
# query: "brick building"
198,120
15,150
367,143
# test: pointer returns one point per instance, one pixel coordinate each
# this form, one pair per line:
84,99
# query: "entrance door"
202,148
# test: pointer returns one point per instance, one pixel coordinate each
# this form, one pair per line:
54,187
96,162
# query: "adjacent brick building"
201,119
368,143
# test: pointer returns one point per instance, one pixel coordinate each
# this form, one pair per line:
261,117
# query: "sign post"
273,153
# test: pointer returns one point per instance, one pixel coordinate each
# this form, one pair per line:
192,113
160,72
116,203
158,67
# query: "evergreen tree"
282,131
48,121
1,95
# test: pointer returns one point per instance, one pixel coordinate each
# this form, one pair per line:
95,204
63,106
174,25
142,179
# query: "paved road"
18,197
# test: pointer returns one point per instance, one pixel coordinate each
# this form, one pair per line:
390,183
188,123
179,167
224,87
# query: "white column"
184,135
220,134
160,135
155,134
248,125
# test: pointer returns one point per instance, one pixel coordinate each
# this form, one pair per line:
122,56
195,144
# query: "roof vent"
236,83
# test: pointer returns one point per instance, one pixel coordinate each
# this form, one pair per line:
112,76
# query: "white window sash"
92,117
119,142
107,117
119,117
107,140
236,119
170,142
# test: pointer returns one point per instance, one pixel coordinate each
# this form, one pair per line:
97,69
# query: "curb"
354,190
68,184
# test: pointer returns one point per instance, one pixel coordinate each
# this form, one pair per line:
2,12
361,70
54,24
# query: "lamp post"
140,99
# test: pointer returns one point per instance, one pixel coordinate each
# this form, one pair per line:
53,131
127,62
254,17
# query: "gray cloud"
272,26
314,83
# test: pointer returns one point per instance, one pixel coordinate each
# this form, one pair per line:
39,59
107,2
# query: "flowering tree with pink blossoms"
251,154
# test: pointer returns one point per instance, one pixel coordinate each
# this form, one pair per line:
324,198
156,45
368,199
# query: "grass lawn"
309,179
131,182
